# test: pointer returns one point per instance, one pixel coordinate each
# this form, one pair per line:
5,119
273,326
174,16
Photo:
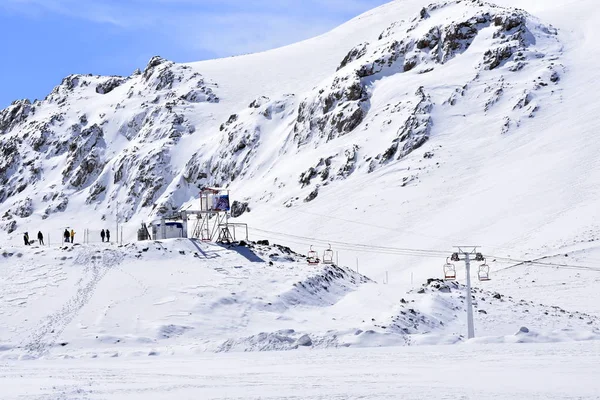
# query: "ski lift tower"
466,254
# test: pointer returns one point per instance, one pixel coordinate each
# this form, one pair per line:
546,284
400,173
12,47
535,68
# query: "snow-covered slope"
278,126
158,295
183,296
409,127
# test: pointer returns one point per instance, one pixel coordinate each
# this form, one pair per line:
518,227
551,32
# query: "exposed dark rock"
350,164
307,176
96,190
259,102
312,195
335,111
23,208
200,95
165,79
354,54
304,341
154,62
239,208
415,131
231,120
14,114
85,156
109,85
9,226
496,57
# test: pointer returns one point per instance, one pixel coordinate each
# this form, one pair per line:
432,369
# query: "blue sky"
46,40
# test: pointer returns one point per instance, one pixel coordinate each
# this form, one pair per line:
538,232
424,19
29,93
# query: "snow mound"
439,309
103,299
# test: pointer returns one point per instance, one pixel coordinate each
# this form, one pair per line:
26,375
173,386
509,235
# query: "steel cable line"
537,261
430,253
437,253
554,265
380,249
358,249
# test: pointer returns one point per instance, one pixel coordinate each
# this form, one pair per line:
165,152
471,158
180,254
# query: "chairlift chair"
312,257
328,256
449,271
484,272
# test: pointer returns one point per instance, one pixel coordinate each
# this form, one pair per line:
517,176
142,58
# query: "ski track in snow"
23,283
96,264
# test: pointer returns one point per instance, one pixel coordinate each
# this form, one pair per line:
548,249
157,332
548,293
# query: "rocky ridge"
107,138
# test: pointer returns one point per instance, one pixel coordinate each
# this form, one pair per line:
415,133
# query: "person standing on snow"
107,235
72,235
26,239
102,234
66,236
41,237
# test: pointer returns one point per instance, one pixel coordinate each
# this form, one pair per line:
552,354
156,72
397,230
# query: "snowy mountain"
152,139
400,134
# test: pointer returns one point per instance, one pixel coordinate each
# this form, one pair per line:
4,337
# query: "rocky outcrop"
239,208
350,163
415,131
144,176
332,111
74,139
8,223
329,169
14,114
58,203
153,63
312,195
340,106
109,85
353,55
85,158
23,208
239,144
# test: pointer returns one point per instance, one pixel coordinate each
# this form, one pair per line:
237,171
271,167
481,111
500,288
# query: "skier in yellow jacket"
72,235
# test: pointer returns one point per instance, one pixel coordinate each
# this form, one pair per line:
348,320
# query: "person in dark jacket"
41,238
102,235
67,236
107,235
26,239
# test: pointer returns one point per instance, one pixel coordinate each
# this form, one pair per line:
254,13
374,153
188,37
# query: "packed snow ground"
181,297
536,371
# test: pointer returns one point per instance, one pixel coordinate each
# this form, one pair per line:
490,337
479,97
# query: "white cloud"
244,33
223,27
